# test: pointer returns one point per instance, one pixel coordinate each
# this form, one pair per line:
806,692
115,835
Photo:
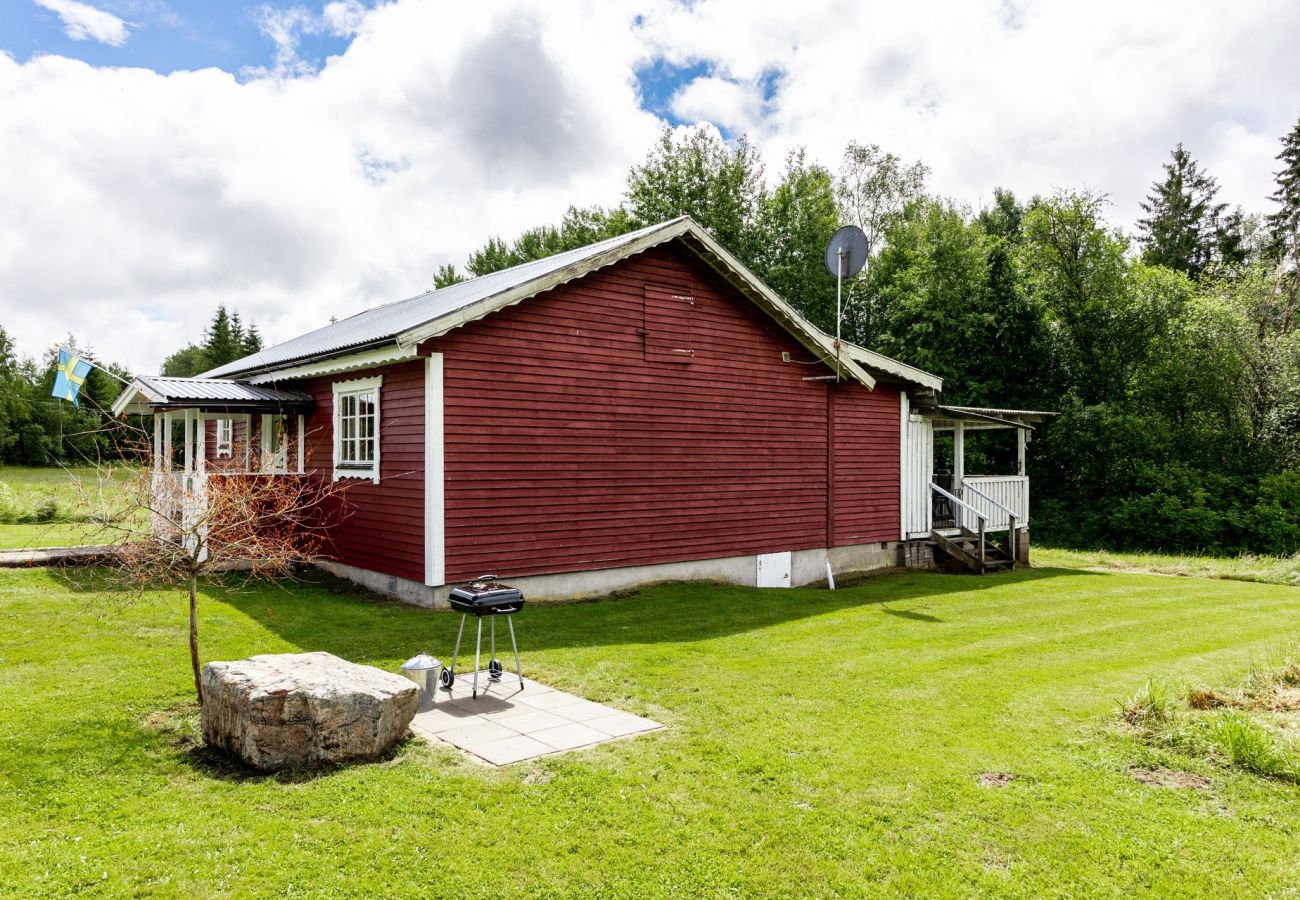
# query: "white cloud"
144,200
725,103
81,22
1031,95
147,199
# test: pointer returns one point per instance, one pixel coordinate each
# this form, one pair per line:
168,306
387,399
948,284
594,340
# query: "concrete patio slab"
504,724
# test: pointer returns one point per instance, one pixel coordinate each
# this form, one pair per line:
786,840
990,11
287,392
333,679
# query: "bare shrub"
180,531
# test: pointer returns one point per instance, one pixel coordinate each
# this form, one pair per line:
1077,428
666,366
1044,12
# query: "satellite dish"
846,254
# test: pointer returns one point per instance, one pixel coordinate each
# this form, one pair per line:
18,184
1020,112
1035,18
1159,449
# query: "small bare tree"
163,527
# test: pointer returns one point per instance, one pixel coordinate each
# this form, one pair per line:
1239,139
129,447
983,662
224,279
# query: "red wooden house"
641,409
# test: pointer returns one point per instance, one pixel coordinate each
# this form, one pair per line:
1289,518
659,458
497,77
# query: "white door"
918,468
774,569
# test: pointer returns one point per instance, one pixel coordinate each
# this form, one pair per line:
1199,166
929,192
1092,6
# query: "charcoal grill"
485,598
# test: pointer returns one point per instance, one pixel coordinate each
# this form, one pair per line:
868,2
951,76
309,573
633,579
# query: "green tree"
446,276
698,174
186,362
13,400
795,222
252,339
225,340
874,187
948,300
1284,223
1184,229
578,228
1104,312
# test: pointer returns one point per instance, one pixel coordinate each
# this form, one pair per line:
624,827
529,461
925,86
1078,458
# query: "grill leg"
478,646
492,654
455,655
510,620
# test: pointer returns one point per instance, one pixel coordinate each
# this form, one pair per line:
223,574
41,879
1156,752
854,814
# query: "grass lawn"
817,744
23,488
1266,569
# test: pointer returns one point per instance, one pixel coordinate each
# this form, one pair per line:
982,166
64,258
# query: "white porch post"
265,437
248,441
301,456
904,465
201,444
958,455
189,442
168,418
157,442
1020,451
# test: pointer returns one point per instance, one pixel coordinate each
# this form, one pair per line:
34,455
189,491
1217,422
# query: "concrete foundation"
806,567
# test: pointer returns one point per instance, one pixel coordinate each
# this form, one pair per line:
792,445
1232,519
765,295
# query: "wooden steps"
963,548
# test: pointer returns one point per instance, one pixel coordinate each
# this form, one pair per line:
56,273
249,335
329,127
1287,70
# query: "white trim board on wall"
435,523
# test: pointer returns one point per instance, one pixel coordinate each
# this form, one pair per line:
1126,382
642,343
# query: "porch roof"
149,393
991,417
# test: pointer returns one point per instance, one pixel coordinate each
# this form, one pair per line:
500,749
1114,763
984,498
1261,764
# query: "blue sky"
163,36
302,160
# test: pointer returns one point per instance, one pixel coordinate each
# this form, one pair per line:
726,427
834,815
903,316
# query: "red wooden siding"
866,471
384,526
570,446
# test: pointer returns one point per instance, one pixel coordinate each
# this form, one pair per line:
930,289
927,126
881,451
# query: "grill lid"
487,591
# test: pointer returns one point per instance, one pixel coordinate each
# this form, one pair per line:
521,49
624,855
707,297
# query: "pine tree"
1184,228
1284,225
252,339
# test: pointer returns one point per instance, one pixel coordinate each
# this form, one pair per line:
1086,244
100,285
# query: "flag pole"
96,363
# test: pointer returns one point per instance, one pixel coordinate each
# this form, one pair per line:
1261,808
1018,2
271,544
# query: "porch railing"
1000,516
999,497
965,513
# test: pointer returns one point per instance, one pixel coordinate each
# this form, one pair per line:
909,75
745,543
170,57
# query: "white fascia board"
415,336
352,362
136,389
891,366
808,334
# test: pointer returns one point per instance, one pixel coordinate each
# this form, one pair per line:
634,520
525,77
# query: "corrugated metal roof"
991,411
179,390
890,366
385,323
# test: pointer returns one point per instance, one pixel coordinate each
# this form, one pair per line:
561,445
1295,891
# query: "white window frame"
352,388
225,438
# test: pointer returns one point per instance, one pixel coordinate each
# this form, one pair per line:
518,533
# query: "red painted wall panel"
568,449
866,465
383,526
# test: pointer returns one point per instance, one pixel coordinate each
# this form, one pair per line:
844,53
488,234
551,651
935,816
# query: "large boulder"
304,709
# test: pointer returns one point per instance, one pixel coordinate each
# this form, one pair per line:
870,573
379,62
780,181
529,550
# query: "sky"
298,161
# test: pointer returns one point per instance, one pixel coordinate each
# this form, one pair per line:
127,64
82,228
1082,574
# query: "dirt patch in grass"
996,779
1169,778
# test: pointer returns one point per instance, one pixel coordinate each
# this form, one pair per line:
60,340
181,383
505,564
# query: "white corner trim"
435,522
374,383
338,365
904,501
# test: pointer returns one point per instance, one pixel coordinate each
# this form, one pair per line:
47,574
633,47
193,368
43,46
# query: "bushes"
1115,479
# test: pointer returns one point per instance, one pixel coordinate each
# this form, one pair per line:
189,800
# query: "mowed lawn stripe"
818,744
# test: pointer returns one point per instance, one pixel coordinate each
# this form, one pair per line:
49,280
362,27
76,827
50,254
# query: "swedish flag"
70,376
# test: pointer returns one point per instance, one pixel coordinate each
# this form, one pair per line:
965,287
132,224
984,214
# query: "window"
356,428
225,437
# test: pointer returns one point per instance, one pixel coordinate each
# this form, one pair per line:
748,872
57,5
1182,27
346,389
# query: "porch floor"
505,725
